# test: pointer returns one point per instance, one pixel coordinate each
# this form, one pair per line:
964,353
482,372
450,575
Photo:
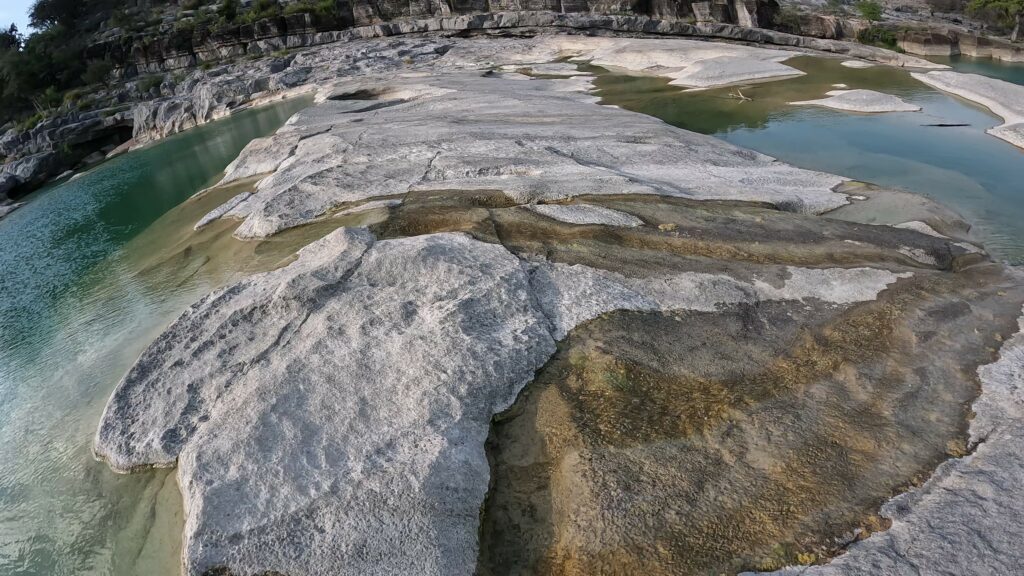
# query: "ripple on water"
86,285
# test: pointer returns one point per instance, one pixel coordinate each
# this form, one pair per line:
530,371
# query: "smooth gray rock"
533,140
585,214
1004,99
868,101
222,210
330,417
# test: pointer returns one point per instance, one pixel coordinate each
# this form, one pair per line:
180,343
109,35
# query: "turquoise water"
1009,71
90,273
976,174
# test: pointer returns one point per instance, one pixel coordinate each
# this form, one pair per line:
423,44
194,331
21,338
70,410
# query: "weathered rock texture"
331,416
179,103
868,101
531,139
966,518
951,41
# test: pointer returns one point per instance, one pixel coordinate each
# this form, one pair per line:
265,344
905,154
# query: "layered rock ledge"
666,342
126,117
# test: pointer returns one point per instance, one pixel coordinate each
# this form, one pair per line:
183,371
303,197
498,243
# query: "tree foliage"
1010,11
870,10
35,70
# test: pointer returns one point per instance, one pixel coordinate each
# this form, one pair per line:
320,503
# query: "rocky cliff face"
197,96
137,54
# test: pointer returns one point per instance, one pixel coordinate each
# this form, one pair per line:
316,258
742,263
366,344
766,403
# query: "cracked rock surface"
573,340
528,138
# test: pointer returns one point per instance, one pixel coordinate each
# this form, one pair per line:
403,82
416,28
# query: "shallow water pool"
976,174
90,271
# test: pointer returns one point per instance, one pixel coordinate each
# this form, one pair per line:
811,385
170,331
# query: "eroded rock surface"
729,380
585,214
531,139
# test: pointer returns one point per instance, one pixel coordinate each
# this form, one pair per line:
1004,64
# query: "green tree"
228,11
1009,10
97,71
870,10
10,39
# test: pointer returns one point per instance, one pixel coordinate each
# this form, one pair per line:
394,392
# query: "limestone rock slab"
868,101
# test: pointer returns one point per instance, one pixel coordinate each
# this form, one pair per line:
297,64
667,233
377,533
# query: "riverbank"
942,152
435,327
1003,98
64,142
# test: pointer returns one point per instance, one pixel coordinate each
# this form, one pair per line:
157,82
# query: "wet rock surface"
749,438
570,340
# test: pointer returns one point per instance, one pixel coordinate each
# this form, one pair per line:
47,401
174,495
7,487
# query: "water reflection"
962,167
82,295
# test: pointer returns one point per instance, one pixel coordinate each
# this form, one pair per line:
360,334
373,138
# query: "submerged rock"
861,101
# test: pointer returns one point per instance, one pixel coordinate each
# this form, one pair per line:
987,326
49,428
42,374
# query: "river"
93,269
962,167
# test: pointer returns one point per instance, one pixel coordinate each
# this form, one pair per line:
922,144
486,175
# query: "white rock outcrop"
868,101
329,417
534,140
585,214
1004,99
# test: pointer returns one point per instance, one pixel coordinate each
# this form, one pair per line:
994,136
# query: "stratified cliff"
183,46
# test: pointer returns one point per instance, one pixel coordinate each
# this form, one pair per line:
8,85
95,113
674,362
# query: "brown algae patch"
750,438
712,235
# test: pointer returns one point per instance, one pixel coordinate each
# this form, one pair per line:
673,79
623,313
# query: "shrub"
262,9
322,10
29,123
147,83
97,71
228,11
878,37
870,10
788,19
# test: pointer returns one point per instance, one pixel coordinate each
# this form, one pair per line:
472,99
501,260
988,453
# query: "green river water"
93,269
978,175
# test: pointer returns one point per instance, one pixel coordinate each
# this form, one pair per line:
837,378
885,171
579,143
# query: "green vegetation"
1010,12
788,19
262,9
875,36
870,10
97,71
322,10
147,83
36,70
